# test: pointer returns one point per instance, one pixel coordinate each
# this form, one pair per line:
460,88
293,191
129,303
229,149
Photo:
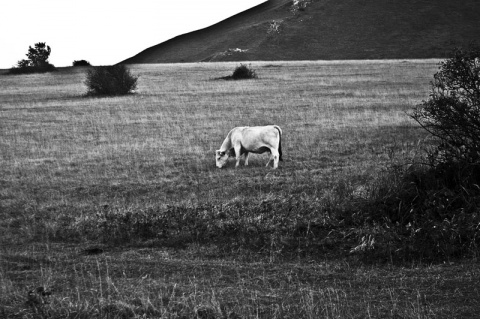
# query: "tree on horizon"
37,60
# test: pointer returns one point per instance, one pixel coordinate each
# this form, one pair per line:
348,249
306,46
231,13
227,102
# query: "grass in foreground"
161,283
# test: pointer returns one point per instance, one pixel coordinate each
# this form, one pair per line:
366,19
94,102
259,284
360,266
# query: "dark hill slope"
328,29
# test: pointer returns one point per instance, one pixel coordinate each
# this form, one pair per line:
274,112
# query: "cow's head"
221,158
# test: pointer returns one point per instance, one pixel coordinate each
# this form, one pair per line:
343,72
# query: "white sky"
102,32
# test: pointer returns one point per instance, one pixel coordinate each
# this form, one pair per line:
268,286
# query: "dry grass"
66,158
162,139
156,283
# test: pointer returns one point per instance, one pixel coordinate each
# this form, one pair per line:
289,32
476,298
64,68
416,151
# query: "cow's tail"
279,142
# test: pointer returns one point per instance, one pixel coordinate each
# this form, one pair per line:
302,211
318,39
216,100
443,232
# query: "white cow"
254,139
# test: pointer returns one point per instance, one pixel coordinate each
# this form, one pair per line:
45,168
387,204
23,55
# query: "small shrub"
22,64
110,80
243,72
81,63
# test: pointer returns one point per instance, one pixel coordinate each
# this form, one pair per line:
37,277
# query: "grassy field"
90,189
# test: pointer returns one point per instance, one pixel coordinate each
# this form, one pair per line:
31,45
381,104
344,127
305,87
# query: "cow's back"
253,137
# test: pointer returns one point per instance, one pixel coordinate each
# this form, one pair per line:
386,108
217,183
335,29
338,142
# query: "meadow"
115,205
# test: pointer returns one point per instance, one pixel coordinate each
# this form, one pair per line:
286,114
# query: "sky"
103,32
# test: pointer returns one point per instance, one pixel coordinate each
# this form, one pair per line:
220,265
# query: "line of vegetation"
37,61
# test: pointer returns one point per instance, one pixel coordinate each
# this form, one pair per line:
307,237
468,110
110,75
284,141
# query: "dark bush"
81,63
242,72
110,80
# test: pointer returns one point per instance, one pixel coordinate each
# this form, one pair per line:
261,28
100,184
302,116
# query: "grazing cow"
251,139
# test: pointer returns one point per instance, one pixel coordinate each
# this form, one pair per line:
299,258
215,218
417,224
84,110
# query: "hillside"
328,29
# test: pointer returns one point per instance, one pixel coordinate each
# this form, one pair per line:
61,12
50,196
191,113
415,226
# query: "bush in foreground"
110,80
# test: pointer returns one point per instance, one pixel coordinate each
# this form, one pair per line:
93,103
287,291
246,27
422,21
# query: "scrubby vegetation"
37,61
431,210
242,72
299,5
110,80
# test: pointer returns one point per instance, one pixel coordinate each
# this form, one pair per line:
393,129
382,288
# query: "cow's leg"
269,158
246,158
275,157
237,156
